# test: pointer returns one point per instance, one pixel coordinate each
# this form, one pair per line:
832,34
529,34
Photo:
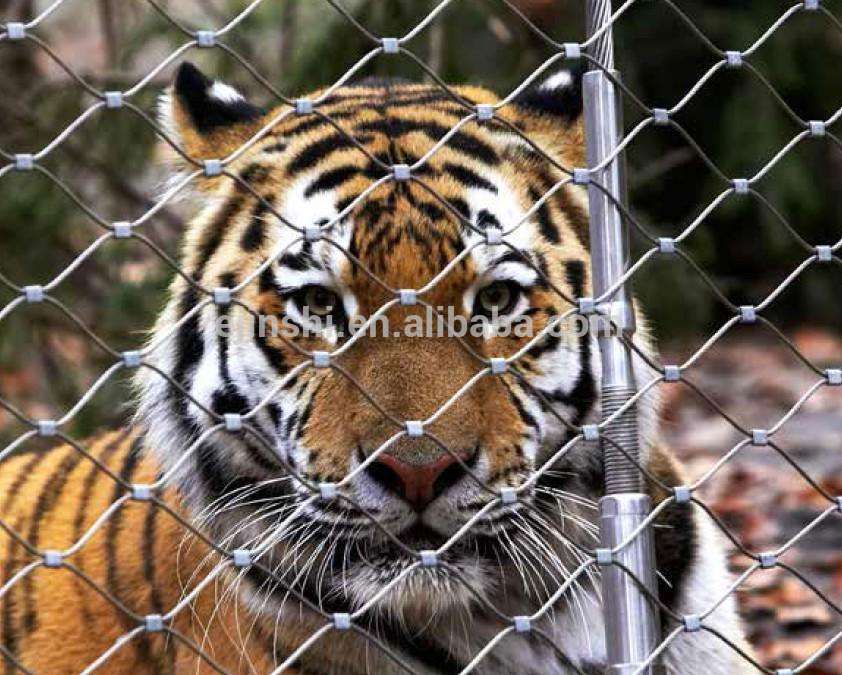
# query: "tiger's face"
411,306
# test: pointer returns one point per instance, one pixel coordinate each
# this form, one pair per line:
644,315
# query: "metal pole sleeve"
632,626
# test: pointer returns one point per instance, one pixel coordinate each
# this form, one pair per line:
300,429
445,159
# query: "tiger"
326,501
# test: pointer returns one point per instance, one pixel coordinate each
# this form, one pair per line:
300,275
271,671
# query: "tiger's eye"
320,301
497,298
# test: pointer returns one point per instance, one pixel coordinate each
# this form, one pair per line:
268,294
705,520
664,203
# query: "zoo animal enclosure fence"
624,556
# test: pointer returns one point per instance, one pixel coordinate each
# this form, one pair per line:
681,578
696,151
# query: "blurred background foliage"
46,363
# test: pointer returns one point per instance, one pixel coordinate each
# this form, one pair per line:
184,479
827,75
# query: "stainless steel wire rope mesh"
18,34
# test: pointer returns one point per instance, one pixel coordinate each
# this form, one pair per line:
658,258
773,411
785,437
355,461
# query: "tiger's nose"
418,484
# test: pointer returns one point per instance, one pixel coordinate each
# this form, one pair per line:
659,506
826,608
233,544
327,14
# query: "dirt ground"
759,496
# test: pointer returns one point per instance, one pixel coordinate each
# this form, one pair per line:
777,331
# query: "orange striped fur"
58,621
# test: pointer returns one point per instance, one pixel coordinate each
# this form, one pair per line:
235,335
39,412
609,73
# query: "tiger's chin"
417,595
415,591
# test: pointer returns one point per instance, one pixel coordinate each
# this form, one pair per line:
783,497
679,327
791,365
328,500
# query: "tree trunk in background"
110,32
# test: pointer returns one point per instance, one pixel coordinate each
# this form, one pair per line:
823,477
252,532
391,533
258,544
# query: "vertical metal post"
632,627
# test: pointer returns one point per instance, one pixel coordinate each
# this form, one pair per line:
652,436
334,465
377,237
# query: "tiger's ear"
551,111
207,119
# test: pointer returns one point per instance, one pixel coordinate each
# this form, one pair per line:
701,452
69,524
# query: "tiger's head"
327,276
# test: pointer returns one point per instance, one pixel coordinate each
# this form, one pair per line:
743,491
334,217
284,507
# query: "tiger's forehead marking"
404,223
402,240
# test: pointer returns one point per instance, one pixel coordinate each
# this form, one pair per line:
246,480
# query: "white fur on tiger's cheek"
560,368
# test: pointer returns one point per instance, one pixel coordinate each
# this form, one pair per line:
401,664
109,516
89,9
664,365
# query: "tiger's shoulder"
87,558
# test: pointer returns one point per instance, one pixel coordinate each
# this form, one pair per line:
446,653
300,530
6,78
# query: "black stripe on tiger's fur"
255,235
51,492
112,534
